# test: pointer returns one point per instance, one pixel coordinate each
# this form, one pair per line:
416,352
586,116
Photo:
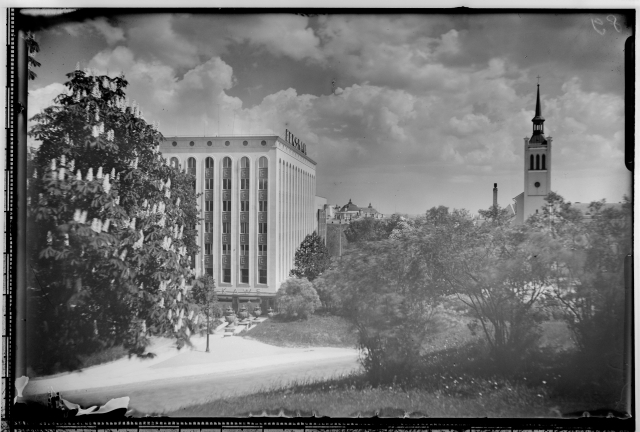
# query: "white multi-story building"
258,202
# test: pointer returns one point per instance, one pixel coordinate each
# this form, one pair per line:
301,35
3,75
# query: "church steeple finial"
538,122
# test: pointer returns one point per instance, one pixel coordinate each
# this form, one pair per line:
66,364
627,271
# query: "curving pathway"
174,379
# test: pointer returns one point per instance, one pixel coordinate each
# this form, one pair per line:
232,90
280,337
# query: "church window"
531,162
543,162
538,162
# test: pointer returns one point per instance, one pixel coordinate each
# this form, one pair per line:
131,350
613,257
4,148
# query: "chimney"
495,194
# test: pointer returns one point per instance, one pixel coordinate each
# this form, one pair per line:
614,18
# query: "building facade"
537,169
258,203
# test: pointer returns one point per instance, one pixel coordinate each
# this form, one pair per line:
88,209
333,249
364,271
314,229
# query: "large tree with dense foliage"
492,268
586,258
385,289
111,227
312,258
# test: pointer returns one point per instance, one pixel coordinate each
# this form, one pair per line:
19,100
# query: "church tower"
537,169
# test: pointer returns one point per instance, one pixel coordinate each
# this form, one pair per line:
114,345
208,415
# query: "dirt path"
168,395
173,379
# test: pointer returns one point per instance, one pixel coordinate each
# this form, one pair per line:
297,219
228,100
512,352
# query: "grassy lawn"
317,331
455,378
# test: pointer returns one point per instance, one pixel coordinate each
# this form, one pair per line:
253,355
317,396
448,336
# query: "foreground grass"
353,397
317,331
455,378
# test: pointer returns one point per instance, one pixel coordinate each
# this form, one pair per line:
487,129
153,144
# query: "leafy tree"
32,49
558,217
325,285
493,270
371,229
496,215
586,258
111,227
390,296
297,299
203,294
312,258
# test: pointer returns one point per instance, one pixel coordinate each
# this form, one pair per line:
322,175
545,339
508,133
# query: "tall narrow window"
226,275
262,276
244,276
244,250
537,161
244,228
544,162
191,168
531,162
208,173
244,206
262,228
226,227
262,185
174,163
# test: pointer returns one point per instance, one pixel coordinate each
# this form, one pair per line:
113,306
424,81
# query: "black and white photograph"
359,213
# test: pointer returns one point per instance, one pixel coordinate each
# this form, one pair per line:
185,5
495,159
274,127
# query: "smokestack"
495,194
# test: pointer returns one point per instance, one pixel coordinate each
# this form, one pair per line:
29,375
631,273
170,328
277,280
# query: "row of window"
244,275
244,227
244,249
226,162
537,165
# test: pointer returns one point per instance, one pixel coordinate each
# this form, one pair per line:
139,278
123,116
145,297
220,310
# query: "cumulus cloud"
430,99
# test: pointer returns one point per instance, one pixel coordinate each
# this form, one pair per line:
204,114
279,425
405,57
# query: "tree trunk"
207,333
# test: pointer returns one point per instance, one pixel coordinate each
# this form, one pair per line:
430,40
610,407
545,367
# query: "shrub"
297,299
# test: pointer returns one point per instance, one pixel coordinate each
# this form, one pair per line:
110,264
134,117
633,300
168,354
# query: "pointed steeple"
538,124
538,110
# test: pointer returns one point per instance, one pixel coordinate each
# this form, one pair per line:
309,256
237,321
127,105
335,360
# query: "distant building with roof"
351,211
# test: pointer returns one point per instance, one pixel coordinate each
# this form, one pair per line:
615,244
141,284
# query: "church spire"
538,123
538,110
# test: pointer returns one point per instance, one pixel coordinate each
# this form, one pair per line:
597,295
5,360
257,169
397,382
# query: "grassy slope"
317,331
455,382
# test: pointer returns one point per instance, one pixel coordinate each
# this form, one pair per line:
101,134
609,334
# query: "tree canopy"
111,225
312,258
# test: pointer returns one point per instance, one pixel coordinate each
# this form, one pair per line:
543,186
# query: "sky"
403,111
